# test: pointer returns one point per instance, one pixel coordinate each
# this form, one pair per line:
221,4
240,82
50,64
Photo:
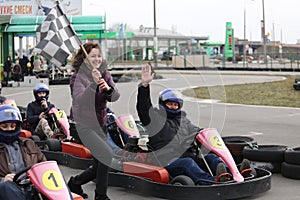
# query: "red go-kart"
62,140
137,173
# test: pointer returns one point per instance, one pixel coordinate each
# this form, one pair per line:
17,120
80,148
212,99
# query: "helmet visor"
171,95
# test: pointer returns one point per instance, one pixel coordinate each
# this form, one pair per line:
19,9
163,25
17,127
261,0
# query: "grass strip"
277,93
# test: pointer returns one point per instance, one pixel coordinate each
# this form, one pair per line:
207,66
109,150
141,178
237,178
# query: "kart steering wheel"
22,181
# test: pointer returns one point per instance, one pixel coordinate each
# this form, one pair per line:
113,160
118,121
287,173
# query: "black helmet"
10,114
170,95
40,87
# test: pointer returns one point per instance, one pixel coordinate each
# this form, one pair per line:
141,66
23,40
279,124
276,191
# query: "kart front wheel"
182,180
52,145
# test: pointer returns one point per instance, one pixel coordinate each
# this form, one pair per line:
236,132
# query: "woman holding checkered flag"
92,86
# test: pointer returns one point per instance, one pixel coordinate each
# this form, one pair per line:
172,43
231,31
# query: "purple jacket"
88,101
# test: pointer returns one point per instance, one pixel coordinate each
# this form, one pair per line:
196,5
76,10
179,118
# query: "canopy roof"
84,26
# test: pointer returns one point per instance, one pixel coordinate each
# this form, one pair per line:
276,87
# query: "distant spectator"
37,64
7,69
31,65
17,72
28,68
23,63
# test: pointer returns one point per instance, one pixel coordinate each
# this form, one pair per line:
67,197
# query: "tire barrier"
268,157
290,168
292,156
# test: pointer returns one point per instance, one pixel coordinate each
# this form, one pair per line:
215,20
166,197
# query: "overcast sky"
205,17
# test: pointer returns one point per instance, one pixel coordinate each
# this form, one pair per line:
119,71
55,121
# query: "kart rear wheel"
52,145
182,180
35,138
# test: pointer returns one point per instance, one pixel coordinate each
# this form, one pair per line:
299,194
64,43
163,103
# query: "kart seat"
25,133
156,174
76,149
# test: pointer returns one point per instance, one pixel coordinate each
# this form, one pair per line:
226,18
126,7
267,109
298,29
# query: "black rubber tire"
52,145
236,144
35,138
265,153
274,167
182,180
290,171
292,156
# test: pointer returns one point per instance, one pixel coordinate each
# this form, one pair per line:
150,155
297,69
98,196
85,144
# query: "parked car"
167,55
216,57
296,84
261,57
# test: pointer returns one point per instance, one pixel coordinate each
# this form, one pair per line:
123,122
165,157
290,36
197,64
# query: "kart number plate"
52,180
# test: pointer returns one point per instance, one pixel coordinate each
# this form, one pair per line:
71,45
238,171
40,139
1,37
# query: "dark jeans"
10,190
195,168
95,140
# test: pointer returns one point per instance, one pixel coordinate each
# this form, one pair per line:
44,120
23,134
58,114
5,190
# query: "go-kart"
48,181
62,140
140,175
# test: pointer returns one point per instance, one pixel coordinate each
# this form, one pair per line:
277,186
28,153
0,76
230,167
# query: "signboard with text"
229,41
38,7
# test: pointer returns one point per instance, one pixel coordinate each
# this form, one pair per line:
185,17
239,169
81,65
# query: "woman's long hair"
80,56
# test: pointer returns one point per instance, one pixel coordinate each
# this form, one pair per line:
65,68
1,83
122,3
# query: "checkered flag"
56,37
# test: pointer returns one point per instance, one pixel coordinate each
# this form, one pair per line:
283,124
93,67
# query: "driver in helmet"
36,111
15,154
171,135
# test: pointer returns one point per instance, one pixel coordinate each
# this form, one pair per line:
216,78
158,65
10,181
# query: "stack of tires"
274,158
290,168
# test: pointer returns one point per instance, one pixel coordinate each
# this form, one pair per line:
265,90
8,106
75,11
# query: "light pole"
154,37
245,30
244,46
264,33
280,41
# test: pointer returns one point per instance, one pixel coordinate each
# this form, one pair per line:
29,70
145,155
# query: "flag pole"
87,60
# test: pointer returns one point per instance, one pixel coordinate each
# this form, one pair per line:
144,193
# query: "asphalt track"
267,125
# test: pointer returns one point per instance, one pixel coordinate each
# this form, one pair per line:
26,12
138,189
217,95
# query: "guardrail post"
184,60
